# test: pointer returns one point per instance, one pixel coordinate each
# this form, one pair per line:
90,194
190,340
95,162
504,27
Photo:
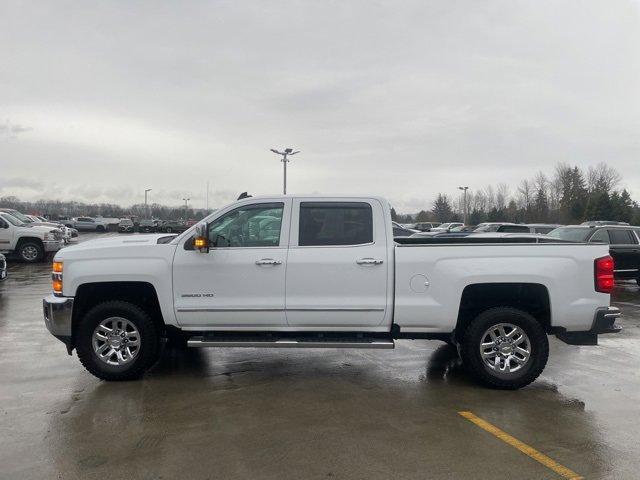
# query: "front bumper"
57,318
604,321
53,246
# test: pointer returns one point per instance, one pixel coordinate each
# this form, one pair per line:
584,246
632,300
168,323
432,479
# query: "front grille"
57,235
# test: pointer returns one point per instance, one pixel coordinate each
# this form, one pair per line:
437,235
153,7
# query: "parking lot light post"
186,207
146,210
285,159
464,204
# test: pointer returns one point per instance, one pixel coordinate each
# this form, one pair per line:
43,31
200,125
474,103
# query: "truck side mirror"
201,240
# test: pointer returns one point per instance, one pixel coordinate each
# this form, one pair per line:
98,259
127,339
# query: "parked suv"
147,226
125,226
624,244
172,226
88,224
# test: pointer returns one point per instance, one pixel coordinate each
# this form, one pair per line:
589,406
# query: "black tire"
31,251
100,229
144,359
473,336
168,230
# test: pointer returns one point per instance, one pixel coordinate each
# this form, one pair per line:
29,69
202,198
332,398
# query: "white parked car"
305,271
29,243
446,227
88,224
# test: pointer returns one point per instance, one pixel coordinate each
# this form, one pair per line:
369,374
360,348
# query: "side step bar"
200,341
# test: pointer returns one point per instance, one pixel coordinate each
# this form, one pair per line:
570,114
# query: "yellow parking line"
523,447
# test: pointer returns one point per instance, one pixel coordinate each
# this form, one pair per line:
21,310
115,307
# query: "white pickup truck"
305,271
28,242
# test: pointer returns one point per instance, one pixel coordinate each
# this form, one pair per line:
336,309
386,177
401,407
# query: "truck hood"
37,229
112,247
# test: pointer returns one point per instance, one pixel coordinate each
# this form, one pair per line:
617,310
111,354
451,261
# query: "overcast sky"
100,100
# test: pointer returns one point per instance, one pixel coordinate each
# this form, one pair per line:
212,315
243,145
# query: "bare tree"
502,196
525,191
602,178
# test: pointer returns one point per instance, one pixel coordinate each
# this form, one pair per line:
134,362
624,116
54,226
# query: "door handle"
369,261
268,261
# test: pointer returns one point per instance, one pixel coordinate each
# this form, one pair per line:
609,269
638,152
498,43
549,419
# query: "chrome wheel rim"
505,348
116,341
29,252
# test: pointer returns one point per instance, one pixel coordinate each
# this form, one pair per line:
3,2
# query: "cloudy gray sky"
99,100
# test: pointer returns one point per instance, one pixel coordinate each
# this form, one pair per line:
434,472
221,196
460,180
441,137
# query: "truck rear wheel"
505,348
31,251
117,340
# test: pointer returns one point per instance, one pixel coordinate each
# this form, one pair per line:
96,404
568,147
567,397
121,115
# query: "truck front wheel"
117,340
505,348
31,252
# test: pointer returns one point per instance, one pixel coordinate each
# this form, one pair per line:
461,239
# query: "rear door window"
621,237
335,223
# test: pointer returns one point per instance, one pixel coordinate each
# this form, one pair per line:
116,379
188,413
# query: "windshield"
571,234
445,225
13,220
21,217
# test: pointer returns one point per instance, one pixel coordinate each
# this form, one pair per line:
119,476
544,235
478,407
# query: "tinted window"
335,223
513,228
621,237
256,225
600,236
543,230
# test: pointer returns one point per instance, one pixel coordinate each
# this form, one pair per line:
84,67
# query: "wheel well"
22,240
533,298
142,294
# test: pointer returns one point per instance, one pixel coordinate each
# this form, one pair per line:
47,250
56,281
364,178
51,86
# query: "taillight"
603,274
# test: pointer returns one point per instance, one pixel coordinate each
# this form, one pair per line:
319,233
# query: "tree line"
569,195
54,209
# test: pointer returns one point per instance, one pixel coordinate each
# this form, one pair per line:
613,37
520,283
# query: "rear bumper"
57,318
604,322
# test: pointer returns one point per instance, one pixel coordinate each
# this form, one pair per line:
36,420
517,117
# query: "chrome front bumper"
53,246
57,317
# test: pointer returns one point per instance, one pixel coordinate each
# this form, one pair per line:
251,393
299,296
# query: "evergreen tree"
442,208
598,206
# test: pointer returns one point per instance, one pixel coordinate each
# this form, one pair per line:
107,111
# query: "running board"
275,342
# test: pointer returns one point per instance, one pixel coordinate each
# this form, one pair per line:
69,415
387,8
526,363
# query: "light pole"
287,153
186,206
464,204
146,211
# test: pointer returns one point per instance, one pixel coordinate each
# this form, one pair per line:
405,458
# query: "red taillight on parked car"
604,274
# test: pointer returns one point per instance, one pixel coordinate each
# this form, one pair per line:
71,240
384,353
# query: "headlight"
49,236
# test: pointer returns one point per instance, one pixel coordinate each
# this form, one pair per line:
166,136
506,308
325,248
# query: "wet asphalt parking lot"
280,414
